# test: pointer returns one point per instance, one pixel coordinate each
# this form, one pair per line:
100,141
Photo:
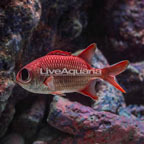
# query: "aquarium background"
30,29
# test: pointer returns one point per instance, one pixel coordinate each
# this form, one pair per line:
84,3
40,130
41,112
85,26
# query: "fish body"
60,72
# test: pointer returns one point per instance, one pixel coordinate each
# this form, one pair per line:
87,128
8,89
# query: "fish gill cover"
30,29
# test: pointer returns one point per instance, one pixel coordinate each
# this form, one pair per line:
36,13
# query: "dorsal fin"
59,52
88,53
49,83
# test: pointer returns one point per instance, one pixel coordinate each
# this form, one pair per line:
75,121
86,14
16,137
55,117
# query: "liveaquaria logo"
70,72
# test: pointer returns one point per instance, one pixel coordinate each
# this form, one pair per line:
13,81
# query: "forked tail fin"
109,73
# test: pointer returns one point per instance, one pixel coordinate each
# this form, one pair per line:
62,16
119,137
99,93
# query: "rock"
110,4
5,118
24,17
30,29
125,31
48,134
136,110
123,111
110,99
6,87
27,123
23,39
2,107
59,140
93,126
6,76
133,81
39,142
17,20
61,23
13,139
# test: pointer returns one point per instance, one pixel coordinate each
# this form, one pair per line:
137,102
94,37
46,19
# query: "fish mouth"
17,78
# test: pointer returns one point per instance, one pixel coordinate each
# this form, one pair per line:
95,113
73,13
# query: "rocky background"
30,29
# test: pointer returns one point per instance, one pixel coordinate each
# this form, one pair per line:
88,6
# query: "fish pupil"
24,74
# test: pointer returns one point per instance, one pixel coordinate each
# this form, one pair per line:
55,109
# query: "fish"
60,72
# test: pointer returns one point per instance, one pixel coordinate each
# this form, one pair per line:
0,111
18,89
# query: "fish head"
28,78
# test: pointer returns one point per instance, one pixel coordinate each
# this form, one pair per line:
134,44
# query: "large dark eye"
25,75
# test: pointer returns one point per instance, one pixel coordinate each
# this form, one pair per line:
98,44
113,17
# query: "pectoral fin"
49,83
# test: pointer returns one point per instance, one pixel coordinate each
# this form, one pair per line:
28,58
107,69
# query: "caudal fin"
109,73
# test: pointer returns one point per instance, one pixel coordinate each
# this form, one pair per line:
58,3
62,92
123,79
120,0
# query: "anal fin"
58,93
89,90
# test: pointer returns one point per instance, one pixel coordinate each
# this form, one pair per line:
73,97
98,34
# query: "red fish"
60,72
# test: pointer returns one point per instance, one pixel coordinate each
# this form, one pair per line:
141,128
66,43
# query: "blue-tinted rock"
110,99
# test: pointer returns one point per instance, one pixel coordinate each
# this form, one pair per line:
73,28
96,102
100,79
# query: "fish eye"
25,75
